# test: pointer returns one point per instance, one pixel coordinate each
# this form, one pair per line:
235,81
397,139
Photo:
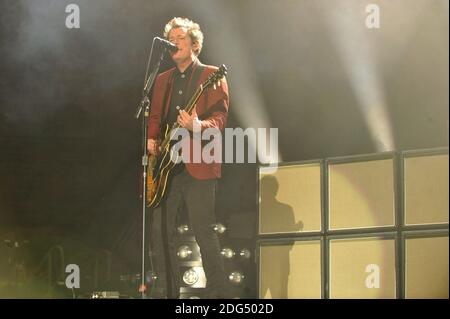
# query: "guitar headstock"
215,78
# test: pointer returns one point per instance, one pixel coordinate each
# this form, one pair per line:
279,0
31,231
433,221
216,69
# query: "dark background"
70,145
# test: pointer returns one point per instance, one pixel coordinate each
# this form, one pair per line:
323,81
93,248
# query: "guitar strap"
194,83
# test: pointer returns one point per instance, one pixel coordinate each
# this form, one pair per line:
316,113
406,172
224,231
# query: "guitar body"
158,172
160,165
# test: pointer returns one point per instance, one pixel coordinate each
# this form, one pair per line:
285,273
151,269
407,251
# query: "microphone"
168,45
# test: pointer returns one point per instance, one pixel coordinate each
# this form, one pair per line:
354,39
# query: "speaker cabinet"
290,270
426,189
361,194
369,226
426,274
290,199
362,268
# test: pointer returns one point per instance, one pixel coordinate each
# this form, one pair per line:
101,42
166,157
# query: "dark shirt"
178,101
179,98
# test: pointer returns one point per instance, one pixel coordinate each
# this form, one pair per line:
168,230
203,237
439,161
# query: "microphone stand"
145,106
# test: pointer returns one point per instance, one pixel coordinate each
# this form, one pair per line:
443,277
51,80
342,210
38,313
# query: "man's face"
182,40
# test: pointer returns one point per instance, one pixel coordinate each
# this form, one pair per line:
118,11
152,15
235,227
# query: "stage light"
227,253
239,58
182,229
236,277
357,55
184,252
219,228
190,277
150,277
245,253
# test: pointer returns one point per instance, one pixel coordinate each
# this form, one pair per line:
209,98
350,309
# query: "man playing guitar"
190,184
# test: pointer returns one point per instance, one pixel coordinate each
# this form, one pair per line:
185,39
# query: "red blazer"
212,110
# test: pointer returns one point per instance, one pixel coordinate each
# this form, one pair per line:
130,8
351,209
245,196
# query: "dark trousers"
198,196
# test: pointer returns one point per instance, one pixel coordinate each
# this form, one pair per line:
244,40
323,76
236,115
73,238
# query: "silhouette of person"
275,217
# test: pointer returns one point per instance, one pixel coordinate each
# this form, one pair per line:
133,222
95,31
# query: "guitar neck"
189,107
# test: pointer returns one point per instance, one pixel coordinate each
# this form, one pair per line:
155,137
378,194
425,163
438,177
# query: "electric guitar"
161,164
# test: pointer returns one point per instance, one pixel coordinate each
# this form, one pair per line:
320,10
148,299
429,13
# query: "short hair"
192,28
269,186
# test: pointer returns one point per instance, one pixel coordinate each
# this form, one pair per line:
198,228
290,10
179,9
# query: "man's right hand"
152,146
